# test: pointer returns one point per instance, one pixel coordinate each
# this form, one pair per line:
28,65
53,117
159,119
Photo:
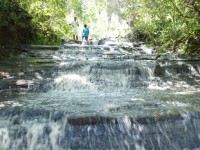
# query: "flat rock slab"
44,47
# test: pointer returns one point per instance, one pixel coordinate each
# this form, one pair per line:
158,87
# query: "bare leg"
74,37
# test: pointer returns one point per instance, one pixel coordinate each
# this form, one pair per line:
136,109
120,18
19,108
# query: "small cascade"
100,97
161,132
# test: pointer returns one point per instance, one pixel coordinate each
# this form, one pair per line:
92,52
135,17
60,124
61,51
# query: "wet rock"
106,48
42,47
159,71
57,116
145,57
47,130
91,120
63,41
135,44
24,83
178,69
35,113
102,41
126,107
3,85
156,119
16,120
137,71
128,49
108,42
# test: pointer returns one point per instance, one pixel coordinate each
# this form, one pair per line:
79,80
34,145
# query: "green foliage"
169,24
49,18
15,28
75,5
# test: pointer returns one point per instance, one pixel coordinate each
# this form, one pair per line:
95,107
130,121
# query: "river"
98,97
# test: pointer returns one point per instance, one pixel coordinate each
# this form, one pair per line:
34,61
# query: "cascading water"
99,97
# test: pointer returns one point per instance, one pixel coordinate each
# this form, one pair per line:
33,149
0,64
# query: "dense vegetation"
25,22
166,24
16,28
49,16
169,24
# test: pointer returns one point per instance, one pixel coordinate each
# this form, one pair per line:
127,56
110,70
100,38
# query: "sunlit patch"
38,75
10,104
2,105
156,87
180,63
82,50
169,83
187,92
5,75
64,64
137,99
93,59
24,82
182,84
15,104
146,49
177,104
56,57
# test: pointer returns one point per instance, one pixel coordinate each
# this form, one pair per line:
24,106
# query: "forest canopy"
168,25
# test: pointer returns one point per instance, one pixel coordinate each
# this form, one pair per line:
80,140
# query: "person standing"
85,34
75,25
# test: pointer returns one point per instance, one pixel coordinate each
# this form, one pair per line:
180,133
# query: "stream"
99,97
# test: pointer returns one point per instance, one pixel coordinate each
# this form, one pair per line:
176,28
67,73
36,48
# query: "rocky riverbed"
104,96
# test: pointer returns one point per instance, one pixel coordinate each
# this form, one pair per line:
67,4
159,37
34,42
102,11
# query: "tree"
16,28
170,24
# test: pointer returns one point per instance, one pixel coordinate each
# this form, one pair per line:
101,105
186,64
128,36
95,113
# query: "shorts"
75,32
85,37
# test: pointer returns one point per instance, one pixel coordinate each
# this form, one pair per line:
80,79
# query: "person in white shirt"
75,25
